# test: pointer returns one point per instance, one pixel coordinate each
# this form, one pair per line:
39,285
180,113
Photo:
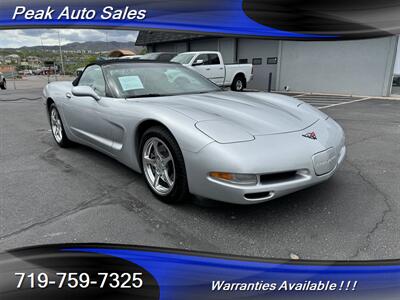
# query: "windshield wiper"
146,95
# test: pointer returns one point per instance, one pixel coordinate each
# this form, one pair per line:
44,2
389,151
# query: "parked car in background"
25,73
159,56
211,65
3,82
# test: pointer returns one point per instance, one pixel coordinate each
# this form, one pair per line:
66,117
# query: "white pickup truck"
211,65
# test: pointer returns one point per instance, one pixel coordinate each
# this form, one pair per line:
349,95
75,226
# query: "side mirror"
85,91
198,62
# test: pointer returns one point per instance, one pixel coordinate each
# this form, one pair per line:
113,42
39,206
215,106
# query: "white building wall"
362,67
259,49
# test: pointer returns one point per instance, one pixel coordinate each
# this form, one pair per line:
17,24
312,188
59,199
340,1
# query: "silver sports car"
188,136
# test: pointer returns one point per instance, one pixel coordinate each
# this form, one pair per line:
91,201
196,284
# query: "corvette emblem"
310,135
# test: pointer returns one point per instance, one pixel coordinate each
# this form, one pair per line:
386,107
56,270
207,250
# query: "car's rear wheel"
57,127
3,84
163,165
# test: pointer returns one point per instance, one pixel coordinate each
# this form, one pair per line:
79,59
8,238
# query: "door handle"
221,68
208,69
68,95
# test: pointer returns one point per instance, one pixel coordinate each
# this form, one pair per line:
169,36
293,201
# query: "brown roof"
153,37
121,52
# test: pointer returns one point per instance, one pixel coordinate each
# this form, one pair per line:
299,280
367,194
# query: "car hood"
255,112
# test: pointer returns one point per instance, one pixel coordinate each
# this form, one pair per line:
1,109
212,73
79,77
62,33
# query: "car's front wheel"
3,84
163,165
57,127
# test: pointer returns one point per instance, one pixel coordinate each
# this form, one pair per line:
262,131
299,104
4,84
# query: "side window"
203,57
93,77
213,59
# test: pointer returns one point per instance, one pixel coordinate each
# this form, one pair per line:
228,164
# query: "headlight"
245,179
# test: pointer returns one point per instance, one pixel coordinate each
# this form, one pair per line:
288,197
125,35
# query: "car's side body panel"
110,125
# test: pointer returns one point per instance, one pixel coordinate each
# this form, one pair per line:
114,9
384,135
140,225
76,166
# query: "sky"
32,37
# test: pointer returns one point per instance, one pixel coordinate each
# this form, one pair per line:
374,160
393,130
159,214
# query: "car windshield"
183,58
132,80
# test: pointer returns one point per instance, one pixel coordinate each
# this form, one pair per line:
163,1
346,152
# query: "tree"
90,59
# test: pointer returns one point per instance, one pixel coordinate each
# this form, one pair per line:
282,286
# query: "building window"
243,61
257,61
272,60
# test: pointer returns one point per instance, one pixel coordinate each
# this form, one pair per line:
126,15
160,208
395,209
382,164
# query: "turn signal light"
244,179
222,175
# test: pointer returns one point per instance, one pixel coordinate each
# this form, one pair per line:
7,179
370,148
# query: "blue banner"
117,272
284,19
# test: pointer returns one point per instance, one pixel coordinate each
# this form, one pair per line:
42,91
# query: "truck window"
213,59
183,58
204,58
209,59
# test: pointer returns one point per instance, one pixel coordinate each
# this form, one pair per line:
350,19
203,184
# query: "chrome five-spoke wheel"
56,126
158,166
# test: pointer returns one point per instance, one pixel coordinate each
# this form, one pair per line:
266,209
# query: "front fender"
125,121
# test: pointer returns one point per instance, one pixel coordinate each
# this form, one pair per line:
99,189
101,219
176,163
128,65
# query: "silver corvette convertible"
188,136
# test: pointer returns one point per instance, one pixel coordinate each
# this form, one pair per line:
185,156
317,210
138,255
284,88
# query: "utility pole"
41,41
61,56
108,48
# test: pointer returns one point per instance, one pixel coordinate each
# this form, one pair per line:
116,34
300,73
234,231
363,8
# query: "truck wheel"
3,84
238,83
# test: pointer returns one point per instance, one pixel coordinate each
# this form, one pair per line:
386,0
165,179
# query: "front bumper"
309,161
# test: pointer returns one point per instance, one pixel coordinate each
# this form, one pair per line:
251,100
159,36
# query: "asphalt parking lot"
54,195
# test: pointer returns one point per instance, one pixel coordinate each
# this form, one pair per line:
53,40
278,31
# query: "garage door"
263,55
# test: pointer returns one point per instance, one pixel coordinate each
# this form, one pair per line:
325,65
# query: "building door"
263,55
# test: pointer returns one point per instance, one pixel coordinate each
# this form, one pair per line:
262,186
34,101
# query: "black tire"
238,83
3,84
64,142
180,190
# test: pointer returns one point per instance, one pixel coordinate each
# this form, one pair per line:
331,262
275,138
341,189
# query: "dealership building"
354,67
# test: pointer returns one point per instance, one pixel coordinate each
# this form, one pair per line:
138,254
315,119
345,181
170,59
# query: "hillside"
94,46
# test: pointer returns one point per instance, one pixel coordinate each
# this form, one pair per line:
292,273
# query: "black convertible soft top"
127,60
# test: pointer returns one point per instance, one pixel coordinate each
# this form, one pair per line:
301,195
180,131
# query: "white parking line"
346,102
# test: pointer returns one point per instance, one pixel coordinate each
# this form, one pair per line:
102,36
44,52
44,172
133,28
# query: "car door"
211,67
83,113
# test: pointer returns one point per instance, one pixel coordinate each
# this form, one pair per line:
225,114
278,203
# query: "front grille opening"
258,196
278,177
